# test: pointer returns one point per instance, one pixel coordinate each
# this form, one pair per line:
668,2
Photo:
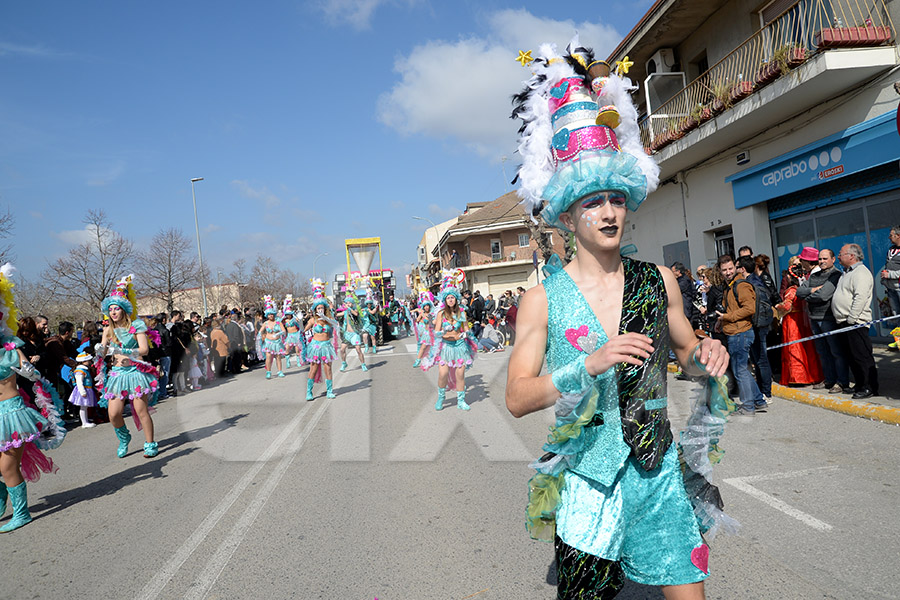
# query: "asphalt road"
257,493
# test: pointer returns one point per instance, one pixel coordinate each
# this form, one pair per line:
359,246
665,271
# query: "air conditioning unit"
662,61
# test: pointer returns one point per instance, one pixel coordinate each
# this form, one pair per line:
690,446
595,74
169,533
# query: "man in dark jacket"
477,313
59,352
817,291
165,356
182,335
236,343
688,293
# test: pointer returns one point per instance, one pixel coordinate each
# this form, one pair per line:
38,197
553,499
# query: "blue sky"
311,121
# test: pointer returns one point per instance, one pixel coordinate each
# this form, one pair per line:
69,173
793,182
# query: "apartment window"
496,250
773,10
699,66
523,240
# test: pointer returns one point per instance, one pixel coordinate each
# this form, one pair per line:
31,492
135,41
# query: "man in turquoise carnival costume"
610,492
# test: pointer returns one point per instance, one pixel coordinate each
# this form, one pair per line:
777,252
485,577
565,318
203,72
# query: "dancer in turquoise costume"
352,330
454,349
131,379
322,350
24,431
609,492
424,325
270,338
83,395
370,323
294,340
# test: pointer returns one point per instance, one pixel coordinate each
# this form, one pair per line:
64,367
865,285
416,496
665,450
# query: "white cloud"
106,175
356,13
262,194
461,90
443,212
397,204
35,51
212,227
76,237
36,214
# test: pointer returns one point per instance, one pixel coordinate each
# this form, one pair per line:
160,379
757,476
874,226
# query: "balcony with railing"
813,51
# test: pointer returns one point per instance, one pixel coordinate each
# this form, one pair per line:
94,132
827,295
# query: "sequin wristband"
573,378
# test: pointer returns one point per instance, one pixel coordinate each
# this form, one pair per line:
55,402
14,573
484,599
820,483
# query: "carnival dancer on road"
424,325
610,491
352,330
24,431
322,350
454,348
292,325
271,338
370,323
131,379
84,396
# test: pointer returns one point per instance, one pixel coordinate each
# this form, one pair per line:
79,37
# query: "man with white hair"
852,305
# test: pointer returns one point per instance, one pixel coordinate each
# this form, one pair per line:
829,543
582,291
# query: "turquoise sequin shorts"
643,521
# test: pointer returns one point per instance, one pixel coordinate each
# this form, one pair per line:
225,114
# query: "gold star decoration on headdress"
524,58
623,65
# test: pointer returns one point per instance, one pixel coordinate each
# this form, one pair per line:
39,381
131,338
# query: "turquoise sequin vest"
631,417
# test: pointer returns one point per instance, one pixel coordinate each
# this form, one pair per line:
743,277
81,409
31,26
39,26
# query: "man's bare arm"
526,390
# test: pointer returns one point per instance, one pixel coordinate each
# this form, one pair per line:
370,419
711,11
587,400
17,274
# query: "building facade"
775,126
493,245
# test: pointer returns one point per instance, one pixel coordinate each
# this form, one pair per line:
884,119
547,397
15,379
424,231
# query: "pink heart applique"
573,334
700,557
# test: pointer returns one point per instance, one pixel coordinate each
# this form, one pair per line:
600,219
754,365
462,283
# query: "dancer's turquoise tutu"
320,351
19,424
128,383
273,347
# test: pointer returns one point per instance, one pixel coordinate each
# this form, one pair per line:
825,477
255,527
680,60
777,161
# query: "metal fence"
801,31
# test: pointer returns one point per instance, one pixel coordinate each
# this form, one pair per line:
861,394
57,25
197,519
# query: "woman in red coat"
799,362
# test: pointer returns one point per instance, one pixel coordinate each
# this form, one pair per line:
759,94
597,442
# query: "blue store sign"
863,146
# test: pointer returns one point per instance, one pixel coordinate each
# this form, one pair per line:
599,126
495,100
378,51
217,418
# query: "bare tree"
167,267
90,270
7,222
242,279
267,277
539,232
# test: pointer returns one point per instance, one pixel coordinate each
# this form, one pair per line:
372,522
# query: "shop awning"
869,144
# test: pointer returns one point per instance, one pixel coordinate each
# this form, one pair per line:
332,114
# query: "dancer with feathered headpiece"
424,325
294,341
609,492
270,338
131,379
352,329
455,348
371,317
322,349
24,431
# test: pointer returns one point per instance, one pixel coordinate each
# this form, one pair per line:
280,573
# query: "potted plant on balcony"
688,124
701,113
789,56
769,71
722,97
863,34
740,89
660,140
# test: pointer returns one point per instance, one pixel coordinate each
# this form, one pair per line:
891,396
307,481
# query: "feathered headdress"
122,296
579,134
9,323
451,279
426,297
370,297
271,308
288,306
318,288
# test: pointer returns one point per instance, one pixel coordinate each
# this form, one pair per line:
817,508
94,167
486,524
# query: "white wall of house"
705,200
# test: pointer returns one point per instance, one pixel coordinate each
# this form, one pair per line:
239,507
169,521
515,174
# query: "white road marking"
412,347
743,484
216,564
164,575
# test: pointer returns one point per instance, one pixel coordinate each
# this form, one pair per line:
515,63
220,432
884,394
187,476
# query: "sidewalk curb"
866,410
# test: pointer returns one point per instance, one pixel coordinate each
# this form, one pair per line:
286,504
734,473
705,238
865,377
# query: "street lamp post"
314,262
440,258
199,251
